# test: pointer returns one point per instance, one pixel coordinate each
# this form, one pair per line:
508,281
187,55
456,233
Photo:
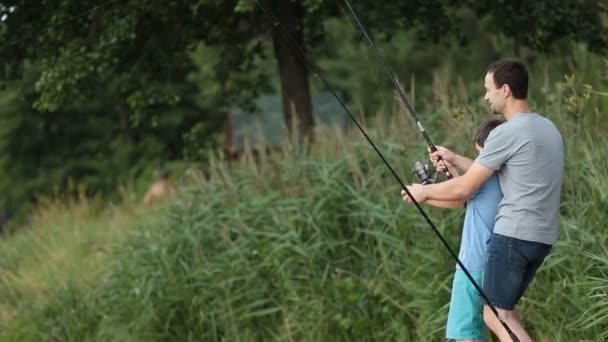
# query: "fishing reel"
426,174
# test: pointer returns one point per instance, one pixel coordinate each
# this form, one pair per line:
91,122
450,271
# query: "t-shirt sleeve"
497,150
479,191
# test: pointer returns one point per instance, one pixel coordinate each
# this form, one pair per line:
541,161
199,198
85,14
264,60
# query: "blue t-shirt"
479,219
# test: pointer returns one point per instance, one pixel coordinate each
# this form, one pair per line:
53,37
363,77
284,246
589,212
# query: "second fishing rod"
406,103
317,72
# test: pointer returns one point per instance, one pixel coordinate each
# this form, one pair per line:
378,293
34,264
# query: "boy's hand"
443,165
443,154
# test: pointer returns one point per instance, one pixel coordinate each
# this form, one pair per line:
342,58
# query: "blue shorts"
510,266
465,318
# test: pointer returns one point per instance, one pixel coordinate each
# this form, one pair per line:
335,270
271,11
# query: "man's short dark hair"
513,72
484,131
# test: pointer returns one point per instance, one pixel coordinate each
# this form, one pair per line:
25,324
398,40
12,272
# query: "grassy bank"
303,246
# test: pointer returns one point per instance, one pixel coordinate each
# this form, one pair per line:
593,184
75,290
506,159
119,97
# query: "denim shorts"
510,266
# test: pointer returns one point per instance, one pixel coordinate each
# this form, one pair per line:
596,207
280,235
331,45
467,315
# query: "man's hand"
417,191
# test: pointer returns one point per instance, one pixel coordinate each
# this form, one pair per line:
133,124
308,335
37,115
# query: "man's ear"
506,90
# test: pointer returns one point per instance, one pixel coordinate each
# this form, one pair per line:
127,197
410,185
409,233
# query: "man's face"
494,96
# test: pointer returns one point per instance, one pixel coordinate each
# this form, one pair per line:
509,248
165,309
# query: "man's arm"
459,188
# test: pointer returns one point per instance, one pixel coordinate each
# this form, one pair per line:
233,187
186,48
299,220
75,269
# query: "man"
160,189
527,154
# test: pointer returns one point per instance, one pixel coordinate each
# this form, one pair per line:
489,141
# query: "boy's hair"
513,72
484,130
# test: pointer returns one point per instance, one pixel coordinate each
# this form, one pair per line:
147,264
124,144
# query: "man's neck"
515,107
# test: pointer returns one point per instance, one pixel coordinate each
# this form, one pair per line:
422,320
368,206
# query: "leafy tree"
142,43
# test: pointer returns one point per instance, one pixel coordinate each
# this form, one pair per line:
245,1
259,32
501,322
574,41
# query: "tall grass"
305,244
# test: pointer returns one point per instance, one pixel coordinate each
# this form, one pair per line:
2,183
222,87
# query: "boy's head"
484,131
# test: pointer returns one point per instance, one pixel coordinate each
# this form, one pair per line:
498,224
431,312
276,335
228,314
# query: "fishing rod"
317,73
393,79
428,140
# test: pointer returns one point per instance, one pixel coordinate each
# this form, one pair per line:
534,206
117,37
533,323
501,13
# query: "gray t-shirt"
528,154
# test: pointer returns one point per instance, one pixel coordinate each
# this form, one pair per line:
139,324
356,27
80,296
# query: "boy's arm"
461,162
446,204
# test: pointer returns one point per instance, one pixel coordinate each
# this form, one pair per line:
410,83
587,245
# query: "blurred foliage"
101,94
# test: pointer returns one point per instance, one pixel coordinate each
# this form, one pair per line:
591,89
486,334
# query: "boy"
465,318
